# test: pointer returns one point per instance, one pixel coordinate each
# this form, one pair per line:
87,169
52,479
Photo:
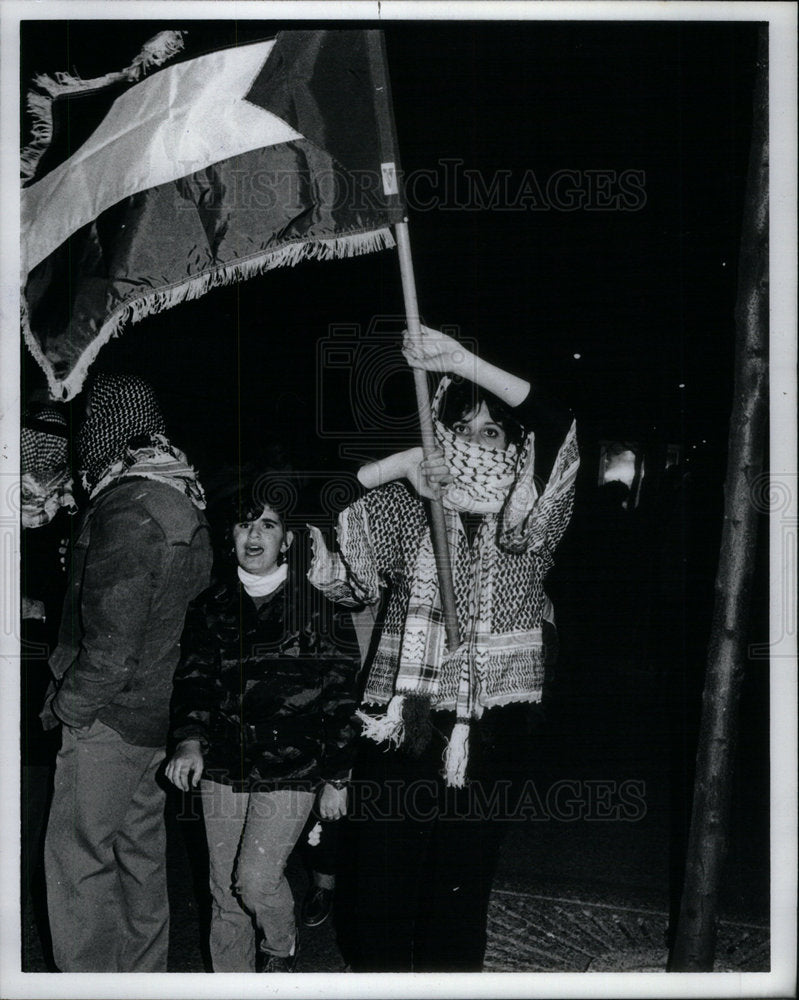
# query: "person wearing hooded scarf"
445,730
143,553
46,484
46,510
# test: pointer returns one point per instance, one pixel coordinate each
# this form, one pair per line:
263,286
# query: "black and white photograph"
398,499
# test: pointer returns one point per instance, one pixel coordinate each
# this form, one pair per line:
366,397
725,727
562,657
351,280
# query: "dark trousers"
321,858
424,854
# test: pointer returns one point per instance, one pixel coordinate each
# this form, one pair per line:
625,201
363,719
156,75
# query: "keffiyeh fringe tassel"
388,728
406,723
456,756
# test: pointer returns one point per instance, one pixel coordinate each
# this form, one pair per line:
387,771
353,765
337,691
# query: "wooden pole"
695,944
438,524
389,158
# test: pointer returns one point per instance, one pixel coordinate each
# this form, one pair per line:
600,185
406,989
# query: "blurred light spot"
618,465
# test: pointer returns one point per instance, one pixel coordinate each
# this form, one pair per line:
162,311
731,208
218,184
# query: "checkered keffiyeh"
123,436
482,476
43,442
384,542
120,407
46,481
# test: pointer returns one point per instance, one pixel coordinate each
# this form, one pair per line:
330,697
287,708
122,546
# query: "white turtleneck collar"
261,586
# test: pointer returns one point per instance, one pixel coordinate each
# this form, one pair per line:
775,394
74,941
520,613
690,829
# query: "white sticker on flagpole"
389,178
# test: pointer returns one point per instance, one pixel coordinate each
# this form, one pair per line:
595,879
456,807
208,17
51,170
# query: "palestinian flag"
207,171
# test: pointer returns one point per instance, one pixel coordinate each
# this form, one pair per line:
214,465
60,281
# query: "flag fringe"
155,52
348,245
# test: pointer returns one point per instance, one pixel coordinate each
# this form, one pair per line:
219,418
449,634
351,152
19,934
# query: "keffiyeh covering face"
46,482
483,476
123,408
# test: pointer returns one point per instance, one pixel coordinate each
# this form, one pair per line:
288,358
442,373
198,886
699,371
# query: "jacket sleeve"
197,691
125,557
341,726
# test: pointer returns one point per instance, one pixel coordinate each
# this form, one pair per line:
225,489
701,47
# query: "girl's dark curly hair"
246,502
463,397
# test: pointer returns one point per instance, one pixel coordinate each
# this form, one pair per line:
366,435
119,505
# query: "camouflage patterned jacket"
269,691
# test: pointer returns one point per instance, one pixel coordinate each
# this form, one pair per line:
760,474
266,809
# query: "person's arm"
196,688
368,537
426,475
330,576
196,695
530,521
125,553
437,352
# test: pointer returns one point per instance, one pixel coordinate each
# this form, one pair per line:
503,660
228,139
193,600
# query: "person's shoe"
279,963
316,906
282,963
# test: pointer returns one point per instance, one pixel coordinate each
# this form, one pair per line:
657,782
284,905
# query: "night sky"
576,189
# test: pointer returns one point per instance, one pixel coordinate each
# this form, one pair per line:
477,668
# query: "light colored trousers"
105,855
250,836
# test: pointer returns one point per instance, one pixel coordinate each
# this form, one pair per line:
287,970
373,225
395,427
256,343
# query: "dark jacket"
142,554
270,690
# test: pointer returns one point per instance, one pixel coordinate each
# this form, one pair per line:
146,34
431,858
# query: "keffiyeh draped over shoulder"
384,541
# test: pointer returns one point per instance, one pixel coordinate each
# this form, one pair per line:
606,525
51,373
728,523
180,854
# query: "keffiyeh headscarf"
124,436
46,481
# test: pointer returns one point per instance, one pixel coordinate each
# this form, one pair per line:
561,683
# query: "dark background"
645,296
